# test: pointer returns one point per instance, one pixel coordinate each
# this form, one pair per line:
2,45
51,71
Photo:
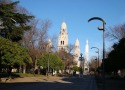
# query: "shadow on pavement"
111,84
63,84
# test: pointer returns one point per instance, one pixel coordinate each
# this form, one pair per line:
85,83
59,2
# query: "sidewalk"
92,84
112,84
32,79
51,83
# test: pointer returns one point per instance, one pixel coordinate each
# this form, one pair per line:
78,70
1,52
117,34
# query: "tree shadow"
62,84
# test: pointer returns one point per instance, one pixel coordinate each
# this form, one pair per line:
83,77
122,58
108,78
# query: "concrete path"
51,83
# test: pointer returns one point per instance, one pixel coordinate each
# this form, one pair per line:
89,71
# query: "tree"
115,60
5,1
14,23
67,58
115,57
116,32
36,39
93,64
76,68
54,61
70,48
12,53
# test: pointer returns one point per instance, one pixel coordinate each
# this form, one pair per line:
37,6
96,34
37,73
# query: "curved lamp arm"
98,18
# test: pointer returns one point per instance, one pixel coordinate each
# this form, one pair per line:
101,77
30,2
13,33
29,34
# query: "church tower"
49,45
86,51
77,52
63,38
86,62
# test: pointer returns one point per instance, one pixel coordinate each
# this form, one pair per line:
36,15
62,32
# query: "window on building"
63,42
63,30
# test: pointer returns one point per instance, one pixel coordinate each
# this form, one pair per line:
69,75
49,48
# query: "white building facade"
49,46
63,38
63,43
77,53
86,59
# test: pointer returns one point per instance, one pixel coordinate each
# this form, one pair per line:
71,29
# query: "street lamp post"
64,58
98,54
101,28
50,50
48,63
81,58
96,64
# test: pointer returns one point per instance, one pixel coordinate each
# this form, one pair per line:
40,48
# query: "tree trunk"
20,69
24,69
9,71
36,64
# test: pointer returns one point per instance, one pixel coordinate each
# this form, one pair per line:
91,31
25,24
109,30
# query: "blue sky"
76,14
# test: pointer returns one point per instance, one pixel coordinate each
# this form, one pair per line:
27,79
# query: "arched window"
63,30
63,42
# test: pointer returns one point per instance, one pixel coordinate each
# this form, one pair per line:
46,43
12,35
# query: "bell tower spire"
63,38
77,52
86,62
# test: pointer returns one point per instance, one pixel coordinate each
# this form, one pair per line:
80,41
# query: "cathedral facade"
63,43
77,53
63,38
86,59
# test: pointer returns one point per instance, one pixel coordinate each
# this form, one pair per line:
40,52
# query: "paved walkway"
91,83
112,84
32,79
51,83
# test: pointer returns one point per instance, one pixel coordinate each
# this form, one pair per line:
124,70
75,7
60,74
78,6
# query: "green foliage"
54,61
12,53
116,58
76,68
13,21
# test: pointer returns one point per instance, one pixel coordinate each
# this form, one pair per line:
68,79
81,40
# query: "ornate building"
86,61
49,46
63,38
63,43
77,52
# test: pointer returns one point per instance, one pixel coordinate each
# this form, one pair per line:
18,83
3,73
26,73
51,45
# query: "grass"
25,75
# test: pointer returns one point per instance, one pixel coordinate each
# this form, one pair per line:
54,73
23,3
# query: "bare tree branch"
70,48
116,32
36,39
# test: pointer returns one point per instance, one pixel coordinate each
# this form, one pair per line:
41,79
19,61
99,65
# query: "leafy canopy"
54,61
14,23
116,58
12,53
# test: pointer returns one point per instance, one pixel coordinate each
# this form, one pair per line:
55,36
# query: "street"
72,83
